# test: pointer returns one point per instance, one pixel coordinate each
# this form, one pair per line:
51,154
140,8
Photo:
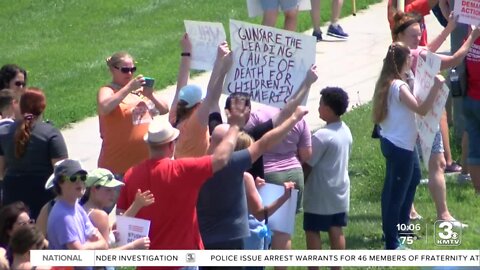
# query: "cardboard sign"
468,11
205,38
283,219
268,63
254,7
428,125
131,229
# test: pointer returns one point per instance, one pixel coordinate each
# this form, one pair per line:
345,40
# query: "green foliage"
63,43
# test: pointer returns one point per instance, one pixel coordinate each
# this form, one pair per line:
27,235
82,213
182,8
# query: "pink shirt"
282,156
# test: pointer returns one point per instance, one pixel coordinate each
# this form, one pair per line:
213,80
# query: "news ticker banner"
255,257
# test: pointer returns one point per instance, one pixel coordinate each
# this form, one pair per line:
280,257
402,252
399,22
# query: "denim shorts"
274,4
437,146
316,223
471,112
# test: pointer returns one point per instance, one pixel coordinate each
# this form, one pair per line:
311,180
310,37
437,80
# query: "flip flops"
454,167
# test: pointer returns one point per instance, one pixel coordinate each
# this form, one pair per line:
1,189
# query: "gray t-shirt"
46,143
222,205
327,189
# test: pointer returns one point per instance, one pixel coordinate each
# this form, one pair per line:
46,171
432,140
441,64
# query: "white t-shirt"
399,126
327,189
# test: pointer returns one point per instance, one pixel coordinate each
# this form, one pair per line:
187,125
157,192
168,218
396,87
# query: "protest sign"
283,220
428,125
205,38
268,63
130,229
468,11
255,9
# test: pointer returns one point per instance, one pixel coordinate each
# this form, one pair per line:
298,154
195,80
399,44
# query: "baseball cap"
102,177
67,167
191,94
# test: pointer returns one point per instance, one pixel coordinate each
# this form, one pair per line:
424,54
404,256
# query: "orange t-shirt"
194,139
122,132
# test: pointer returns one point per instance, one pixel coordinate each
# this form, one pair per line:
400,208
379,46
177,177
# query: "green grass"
63,43
367,168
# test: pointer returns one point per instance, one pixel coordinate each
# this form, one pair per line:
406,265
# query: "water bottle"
455,83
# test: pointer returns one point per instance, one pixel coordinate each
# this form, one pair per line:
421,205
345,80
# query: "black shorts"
315,223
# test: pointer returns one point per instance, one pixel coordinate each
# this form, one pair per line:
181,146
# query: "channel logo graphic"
190,258
447,234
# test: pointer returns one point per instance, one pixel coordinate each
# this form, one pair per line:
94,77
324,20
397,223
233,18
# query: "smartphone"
149,82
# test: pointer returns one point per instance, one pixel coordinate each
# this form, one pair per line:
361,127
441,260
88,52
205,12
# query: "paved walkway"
353,65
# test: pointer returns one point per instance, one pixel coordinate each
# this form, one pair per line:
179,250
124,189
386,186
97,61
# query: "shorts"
295,175
315,223
437,146
471,112
274,4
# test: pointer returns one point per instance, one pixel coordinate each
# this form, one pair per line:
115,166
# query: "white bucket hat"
160,131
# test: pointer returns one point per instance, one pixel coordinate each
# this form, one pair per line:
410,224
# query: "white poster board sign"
428,125
255,9
268,63
205,38
468,11
283,219
130,229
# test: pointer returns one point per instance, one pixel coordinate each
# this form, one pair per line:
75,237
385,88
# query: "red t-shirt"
473,70
175,185
421,7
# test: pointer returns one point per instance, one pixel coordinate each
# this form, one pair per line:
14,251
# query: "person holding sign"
327,189
100,194
176,183
125,107
222,206
190,113
394,109
270,13
407,29
68,226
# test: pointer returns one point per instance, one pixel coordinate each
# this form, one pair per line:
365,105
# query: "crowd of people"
196,177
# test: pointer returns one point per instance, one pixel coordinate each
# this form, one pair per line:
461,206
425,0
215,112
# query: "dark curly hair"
335,98
8,72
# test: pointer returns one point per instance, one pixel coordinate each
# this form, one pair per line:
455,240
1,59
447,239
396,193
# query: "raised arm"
142,199
183,74
108,100
223,62
449,61
438,41
296,99
275,135
237,117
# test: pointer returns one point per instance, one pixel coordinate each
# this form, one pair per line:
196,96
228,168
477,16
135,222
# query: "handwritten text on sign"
205,38
269,63
468,11
427,126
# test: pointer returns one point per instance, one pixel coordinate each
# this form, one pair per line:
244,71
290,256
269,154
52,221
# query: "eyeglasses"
20,84
75,177
23,223
126,69
108,176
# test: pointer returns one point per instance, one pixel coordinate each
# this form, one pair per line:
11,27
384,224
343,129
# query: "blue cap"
191,94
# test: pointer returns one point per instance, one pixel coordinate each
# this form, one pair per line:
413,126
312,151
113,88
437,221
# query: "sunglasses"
127,69
108,176
75,177
20,84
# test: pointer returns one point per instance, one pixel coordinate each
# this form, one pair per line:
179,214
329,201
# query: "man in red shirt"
176,183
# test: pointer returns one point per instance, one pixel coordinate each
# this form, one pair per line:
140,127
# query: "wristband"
185,54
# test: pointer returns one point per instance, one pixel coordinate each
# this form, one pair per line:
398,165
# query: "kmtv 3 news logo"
447,233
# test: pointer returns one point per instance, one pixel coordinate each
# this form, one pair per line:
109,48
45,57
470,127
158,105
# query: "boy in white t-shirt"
327,188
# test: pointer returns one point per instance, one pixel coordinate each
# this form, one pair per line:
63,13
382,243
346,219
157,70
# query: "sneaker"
318,35
416,217
464,178
337,31
454,167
